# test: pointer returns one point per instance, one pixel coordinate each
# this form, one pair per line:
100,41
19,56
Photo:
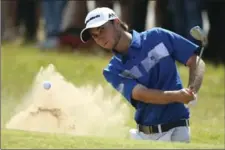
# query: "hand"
192,88
186,95
194,92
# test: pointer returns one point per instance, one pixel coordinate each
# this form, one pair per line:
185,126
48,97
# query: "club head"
198,34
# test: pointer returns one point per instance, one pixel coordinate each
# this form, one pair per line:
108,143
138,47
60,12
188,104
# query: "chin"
109,47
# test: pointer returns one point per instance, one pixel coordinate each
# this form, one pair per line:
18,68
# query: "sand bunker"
66,108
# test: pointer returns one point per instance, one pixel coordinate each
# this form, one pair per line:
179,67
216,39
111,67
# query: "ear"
116,22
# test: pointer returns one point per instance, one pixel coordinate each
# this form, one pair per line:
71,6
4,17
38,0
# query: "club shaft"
200,56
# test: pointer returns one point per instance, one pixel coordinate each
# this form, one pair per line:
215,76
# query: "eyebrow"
98,28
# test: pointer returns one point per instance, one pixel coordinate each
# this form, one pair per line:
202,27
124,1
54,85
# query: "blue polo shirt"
150,61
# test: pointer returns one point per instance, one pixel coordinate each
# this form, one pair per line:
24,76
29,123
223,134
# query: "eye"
102,29
94,36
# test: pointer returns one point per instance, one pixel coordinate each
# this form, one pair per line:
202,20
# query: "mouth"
106,43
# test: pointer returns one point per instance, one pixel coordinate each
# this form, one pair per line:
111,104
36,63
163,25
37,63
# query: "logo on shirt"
152,58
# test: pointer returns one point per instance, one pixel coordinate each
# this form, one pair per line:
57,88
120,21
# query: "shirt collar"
136,39
135,44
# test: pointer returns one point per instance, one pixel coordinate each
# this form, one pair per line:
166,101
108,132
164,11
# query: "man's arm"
184,51
134,92
196,73
153,96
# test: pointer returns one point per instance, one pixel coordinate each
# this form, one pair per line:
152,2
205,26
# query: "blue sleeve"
121,84
180,49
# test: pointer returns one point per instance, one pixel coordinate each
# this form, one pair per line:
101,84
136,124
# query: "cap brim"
85,35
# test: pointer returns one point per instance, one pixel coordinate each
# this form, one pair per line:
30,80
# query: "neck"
124,42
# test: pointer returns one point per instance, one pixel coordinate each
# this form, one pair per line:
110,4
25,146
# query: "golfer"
143,70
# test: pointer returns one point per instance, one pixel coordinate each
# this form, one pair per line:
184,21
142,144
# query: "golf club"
198,34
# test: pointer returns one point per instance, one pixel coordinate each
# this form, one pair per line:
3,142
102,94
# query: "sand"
66,108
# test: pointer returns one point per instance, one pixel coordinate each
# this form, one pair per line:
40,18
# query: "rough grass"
20,64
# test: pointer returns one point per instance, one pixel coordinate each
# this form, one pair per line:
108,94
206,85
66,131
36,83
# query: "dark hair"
123,25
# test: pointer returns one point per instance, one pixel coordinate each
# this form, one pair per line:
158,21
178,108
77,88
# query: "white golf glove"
193,102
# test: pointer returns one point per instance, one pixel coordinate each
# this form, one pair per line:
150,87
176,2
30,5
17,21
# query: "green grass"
21,64
15,139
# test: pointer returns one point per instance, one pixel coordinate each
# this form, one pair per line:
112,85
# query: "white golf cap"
96,18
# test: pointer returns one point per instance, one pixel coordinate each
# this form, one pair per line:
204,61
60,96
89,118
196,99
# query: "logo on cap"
94,17
111,15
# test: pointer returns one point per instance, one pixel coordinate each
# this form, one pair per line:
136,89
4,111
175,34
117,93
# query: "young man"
143,70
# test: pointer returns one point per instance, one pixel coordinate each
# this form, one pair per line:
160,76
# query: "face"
107,35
